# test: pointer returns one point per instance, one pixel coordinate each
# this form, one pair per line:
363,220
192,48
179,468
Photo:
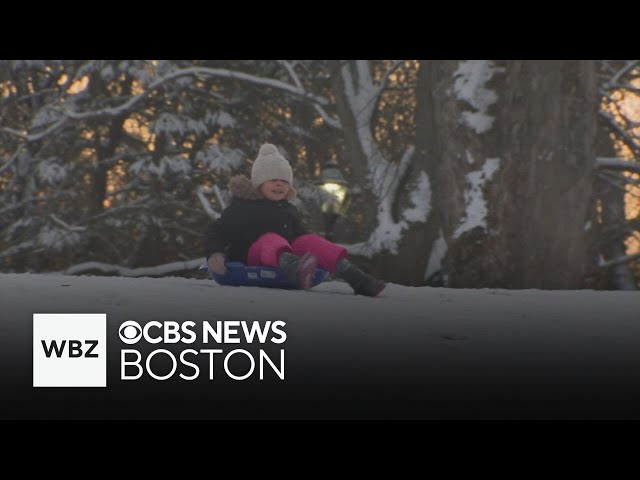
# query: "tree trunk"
353,156
419,257
514,143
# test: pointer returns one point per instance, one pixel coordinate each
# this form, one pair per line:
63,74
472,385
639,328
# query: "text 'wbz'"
162,364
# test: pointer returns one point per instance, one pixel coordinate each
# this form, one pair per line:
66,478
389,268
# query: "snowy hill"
412,353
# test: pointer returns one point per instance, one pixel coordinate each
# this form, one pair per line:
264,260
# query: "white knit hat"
270,165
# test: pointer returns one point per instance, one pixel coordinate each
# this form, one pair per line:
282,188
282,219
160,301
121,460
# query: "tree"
514,144
472,173
618,153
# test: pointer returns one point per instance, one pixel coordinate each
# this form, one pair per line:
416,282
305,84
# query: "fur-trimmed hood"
240,187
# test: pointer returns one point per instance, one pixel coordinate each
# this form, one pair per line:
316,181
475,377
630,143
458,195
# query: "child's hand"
216,263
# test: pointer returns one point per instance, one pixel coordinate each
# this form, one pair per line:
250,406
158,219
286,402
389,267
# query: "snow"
438,252
50,172
178,124
107,73
44,117
469,157
219,119
385,237
469,86
18,227
136,272
414,352
475,204
420,198
221,159
56,238
176,165
384,178
211,213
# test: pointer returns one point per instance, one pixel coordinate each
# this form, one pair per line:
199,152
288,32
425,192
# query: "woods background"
476,173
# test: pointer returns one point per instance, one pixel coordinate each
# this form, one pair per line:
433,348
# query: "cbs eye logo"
130,332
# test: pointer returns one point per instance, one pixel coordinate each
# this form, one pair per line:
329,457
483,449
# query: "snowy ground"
412,353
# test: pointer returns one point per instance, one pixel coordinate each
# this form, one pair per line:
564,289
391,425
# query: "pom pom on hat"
267,149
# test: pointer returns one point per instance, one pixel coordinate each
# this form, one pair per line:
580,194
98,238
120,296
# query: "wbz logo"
75,348
69,350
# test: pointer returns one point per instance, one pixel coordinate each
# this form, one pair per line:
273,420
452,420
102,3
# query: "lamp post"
334,184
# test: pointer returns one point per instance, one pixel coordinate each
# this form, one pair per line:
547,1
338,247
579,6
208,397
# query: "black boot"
299,270
361,283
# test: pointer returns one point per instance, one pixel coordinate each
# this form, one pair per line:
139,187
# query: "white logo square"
69,349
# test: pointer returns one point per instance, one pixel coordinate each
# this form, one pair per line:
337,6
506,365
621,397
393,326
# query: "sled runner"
240,275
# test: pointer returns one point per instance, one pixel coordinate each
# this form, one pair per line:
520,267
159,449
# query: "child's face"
275,189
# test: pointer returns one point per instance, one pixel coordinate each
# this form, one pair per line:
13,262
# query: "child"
261,227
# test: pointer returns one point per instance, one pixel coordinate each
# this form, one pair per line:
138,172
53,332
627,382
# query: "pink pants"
267,249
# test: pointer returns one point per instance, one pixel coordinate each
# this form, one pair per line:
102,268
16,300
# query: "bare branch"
628,87
332,122
631,142
630,65
617,261
614,163
393,68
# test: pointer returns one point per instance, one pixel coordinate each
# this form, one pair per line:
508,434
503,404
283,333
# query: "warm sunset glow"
632,209
79,85
5,89
88,152
627,104
140,130
136,87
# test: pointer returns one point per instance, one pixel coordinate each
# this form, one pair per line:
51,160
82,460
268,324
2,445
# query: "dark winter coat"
248,217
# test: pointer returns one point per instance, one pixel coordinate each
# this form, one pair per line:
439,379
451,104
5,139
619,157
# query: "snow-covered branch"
66,225
383,176
49,198
332,122
388,232
11,160
214,72
139,203
218,193
136,272
35,136
206,205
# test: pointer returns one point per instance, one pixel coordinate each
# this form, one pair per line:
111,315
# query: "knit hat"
270,165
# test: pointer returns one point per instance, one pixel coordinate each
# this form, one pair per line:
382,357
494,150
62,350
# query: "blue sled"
240,275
